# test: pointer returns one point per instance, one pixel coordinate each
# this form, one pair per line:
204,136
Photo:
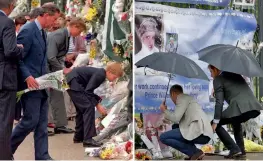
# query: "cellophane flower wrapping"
81,60
122,137
116,93
252,128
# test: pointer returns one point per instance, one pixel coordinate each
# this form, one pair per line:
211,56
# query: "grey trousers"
58,109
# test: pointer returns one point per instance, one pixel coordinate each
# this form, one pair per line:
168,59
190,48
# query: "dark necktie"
68,43
43,35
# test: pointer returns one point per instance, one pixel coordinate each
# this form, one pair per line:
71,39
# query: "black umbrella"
174,64
231,59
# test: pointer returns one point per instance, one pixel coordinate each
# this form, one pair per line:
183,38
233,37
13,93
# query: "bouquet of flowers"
114,150
143,154
108,151
55,80
92,13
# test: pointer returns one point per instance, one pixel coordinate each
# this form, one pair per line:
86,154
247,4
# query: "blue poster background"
207,2
192,29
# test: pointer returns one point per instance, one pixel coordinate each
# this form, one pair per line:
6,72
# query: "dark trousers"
35,118
226,138
235,122
85,119
175,139
7,113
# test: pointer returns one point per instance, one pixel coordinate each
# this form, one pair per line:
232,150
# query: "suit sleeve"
52,52
24,37
219,96
177,114
95,81
10,46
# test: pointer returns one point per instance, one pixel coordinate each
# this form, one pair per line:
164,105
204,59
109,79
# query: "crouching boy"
82,82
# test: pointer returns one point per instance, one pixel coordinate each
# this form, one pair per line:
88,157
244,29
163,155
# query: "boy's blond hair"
115,68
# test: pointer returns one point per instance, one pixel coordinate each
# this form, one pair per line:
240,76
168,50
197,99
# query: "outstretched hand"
163,107
66,70
102,110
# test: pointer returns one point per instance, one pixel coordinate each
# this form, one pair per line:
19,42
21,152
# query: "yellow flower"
146,158
35,3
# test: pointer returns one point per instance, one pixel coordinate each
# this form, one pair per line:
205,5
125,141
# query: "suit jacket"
34,61
9,54
57,48
86,79
192,120
233,89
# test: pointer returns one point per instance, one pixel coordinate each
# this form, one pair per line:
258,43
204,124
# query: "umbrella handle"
167,88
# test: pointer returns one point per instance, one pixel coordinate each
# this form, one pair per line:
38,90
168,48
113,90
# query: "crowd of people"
31,45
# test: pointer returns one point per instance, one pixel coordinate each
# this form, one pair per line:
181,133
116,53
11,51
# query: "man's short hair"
79,23
177,89
35,13
115,68
6,3
49,8
20,20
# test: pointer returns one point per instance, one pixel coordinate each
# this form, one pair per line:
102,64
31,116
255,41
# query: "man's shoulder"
6,21
29,27
185,97
58,34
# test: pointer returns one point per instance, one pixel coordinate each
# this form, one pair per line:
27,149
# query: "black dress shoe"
63,129
91,143
241,156
199,155
233,154
76,141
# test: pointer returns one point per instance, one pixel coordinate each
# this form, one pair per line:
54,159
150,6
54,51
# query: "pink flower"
124,16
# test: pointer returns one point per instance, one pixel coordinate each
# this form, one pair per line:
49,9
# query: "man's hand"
214,126
32,83
101,110
163,107
66,70
20,45
71,57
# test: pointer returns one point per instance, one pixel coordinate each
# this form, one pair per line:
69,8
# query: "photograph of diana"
148,35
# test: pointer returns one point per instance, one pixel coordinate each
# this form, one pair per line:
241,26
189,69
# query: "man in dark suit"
33,65
58,45
10,53
83,81
243,105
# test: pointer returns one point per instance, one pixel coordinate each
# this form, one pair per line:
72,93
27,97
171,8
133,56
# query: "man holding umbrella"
193,123
243,106
227,64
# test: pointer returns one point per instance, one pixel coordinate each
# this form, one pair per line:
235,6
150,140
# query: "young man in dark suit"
32,65
243,105
10,53
83,81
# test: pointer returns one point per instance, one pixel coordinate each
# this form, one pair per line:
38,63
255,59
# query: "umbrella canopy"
173,63
231,59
